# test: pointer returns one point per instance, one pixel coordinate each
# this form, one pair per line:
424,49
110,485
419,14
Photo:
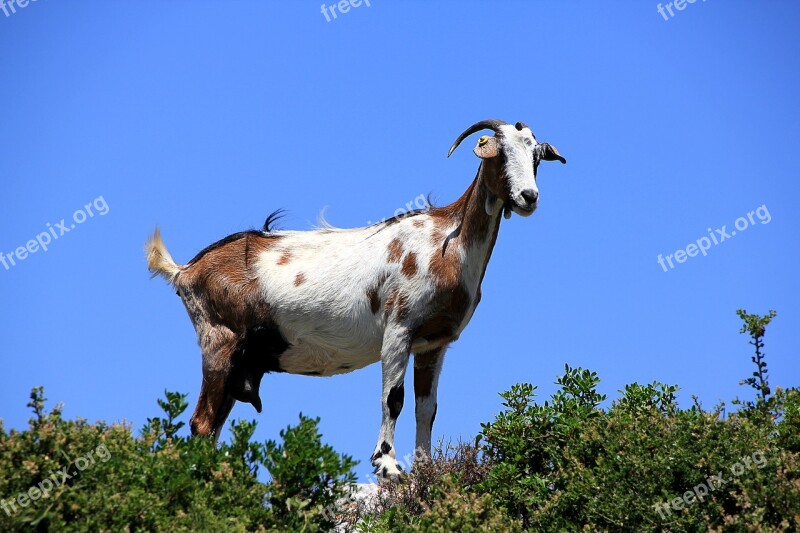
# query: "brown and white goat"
330,301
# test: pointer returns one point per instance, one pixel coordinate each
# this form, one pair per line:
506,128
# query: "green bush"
107,479
453,510
643,464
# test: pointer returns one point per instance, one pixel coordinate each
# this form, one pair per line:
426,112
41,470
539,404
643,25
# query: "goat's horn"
491,124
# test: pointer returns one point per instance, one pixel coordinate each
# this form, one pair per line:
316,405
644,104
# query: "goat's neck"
476,230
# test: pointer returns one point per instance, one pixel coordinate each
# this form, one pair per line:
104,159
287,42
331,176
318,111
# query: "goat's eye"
528,142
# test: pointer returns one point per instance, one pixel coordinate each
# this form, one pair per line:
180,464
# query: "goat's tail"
159,261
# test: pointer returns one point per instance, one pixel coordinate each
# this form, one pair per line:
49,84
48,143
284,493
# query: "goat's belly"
312,360
325,343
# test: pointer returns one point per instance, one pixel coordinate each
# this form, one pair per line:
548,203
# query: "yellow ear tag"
483,140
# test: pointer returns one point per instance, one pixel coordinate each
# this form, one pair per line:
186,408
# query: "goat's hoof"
387,469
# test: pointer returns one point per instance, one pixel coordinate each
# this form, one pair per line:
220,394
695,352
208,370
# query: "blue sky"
203,117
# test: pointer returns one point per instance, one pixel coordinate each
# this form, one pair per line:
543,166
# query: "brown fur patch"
285,257
418,223
441,325
374,300
395,251
373,294
409,265
221,286
445,266
402,306
425,364
299,279
437,238
388,307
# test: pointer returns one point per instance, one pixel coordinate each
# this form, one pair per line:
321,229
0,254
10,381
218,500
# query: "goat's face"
513,155
517,145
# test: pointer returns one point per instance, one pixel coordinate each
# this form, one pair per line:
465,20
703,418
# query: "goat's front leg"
394,360
427,367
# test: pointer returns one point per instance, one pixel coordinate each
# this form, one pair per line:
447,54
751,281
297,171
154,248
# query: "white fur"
328,319
518,146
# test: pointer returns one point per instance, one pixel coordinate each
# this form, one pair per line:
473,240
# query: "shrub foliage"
160,481
641,463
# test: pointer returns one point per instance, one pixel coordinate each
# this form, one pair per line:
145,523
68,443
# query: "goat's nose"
530,196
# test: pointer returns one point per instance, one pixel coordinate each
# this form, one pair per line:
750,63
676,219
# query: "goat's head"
510,159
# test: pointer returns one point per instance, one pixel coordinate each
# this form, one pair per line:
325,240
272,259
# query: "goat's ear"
549,153
486,147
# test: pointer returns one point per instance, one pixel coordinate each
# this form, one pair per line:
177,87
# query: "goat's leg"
213,407
427,367
394,360
215,402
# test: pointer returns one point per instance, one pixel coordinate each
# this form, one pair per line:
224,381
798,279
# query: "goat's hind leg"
233,366
215,402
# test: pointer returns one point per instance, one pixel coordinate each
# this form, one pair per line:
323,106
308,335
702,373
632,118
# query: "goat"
330,301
